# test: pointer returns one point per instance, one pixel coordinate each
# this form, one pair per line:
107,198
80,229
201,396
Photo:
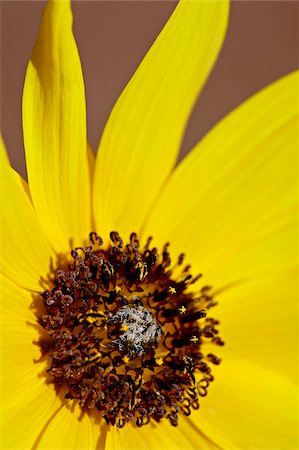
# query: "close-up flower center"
127,331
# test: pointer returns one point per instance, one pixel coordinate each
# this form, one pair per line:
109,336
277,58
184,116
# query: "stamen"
127,336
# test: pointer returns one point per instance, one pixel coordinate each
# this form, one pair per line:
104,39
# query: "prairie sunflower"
93,330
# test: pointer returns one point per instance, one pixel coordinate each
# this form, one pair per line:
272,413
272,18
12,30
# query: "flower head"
106,329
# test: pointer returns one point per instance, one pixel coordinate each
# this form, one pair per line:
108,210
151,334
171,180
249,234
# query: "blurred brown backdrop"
113,36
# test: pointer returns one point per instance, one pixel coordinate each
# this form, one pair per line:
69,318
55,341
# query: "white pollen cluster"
139,329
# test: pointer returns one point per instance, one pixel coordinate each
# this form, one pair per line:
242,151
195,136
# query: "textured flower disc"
127,335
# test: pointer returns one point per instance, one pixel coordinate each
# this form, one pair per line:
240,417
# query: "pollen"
127,336
182,309
171,290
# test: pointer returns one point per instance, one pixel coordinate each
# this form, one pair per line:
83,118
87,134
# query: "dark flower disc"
127,335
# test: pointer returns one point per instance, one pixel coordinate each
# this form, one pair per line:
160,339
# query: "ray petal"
54,125
231,205
79,431
249,407
27,402
259,322
25,252
159,436
143,134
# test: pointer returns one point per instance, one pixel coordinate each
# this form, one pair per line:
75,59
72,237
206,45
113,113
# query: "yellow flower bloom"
230,206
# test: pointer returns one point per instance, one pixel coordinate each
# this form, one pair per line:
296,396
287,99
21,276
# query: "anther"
193,316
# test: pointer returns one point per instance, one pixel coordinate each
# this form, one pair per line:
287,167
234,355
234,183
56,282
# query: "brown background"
113,36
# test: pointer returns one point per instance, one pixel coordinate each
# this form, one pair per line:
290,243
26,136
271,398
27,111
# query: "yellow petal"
258,322
19,335
22,183
27,402
18,178
157,436
249,408
73,429
143,134
25,252
54,123
3,151
231,205
91,164
22,429
15,301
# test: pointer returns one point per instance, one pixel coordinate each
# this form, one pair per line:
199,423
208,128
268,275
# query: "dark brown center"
127,335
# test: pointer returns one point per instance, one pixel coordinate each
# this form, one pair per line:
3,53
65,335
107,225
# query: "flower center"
140,329
127,334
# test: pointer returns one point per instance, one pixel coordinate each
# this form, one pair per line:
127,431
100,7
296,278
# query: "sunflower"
112,269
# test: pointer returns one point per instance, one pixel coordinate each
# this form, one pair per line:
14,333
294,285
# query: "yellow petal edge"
231,205
54,125
25,253
143,134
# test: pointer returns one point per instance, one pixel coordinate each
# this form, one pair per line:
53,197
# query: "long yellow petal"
142,137
259,322
25,253
91,163
18,178
27,421
22,183
249,408
27,402
19,330
71,428
158,436
54,124
231,205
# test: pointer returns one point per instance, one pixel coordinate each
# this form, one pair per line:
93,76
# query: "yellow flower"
230,206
